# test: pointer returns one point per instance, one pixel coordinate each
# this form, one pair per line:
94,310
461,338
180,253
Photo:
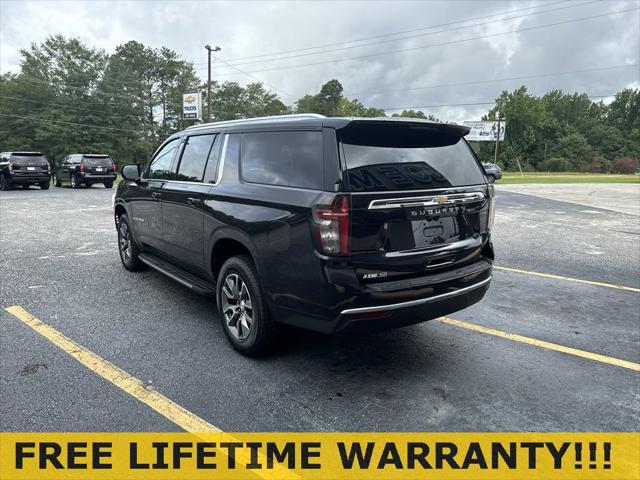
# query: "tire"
25,186
240,293
108,184
74,182
44,186
127,247
56,181
88,185
4,184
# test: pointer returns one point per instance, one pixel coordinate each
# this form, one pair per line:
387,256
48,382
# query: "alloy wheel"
236,306
125,242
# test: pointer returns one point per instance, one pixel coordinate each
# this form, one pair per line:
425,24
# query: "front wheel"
243,312
56,181
126,246
44,186
108,184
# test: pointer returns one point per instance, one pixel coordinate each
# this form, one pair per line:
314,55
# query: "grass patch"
566,177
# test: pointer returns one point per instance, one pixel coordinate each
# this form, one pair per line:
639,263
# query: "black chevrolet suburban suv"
85,169
24,169
329,224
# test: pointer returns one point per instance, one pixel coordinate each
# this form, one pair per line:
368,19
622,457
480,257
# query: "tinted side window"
292,159
160,166
194,158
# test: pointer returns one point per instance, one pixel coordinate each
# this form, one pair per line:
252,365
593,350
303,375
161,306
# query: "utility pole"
209,50
495,158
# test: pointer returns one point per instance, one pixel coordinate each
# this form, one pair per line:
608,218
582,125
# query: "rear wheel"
4,184
243,312
126,245
108,184
74,182
44,186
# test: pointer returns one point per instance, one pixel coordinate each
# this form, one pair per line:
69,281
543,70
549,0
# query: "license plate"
98,169
31,168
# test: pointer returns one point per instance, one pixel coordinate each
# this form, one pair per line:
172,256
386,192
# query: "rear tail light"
82,167
330,224
115,169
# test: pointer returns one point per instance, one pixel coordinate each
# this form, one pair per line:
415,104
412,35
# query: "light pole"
209,50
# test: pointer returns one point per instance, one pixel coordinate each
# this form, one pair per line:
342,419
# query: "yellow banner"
321,456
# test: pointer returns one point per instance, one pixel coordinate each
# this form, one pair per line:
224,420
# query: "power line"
478,82
466,104
66,107
282,52
416,36
68,123
256,78
346,59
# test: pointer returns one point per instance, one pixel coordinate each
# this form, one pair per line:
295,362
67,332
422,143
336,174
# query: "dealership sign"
485,131
192,106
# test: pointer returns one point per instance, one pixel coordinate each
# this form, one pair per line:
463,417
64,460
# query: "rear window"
405,157
292,159
97,161
24,158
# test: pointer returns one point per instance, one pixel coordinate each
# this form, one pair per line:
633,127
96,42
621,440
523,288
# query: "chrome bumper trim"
412,303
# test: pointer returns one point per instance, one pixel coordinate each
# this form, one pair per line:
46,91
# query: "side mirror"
130,172
491,178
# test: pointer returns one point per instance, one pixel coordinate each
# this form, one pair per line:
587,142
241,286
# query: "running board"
179,275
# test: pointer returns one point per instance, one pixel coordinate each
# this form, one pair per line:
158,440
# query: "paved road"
58,261
617,197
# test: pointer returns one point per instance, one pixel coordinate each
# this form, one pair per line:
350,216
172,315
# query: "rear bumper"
29,178
93,178
344,304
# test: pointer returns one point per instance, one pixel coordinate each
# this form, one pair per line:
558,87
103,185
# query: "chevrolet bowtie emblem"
190,99
440,199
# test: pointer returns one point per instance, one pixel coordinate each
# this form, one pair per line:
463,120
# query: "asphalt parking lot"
59,262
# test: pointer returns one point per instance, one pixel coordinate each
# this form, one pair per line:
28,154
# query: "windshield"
406,157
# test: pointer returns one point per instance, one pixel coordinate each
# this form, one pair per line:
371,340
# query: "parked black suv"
323,223
24,169
85,169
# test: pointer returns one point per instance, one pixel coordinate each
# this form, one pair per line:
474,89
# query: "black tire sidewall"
262,329
134,263
108,185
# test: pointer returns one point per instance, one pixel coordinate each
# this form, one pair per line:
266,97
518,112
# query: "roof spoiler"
446,128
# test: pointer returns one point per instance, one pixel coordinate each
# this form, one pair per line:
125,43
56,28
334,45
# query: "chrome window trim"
412,303
426,201
218,175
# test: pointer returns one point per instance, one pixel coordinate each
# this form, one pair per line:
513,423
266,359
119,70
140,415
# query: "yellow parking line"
137,389
542,344
118,377
569,279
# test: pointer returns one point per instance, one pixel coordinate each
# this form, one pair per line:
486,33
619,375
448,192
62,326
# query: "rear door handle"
156,195
194,201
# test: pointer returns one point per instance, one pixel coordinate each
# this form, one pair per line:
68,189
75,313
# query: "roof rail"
295,116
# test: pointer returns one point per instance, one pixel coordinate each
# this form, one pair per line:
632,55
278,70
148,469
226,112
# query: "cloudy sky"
389,54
